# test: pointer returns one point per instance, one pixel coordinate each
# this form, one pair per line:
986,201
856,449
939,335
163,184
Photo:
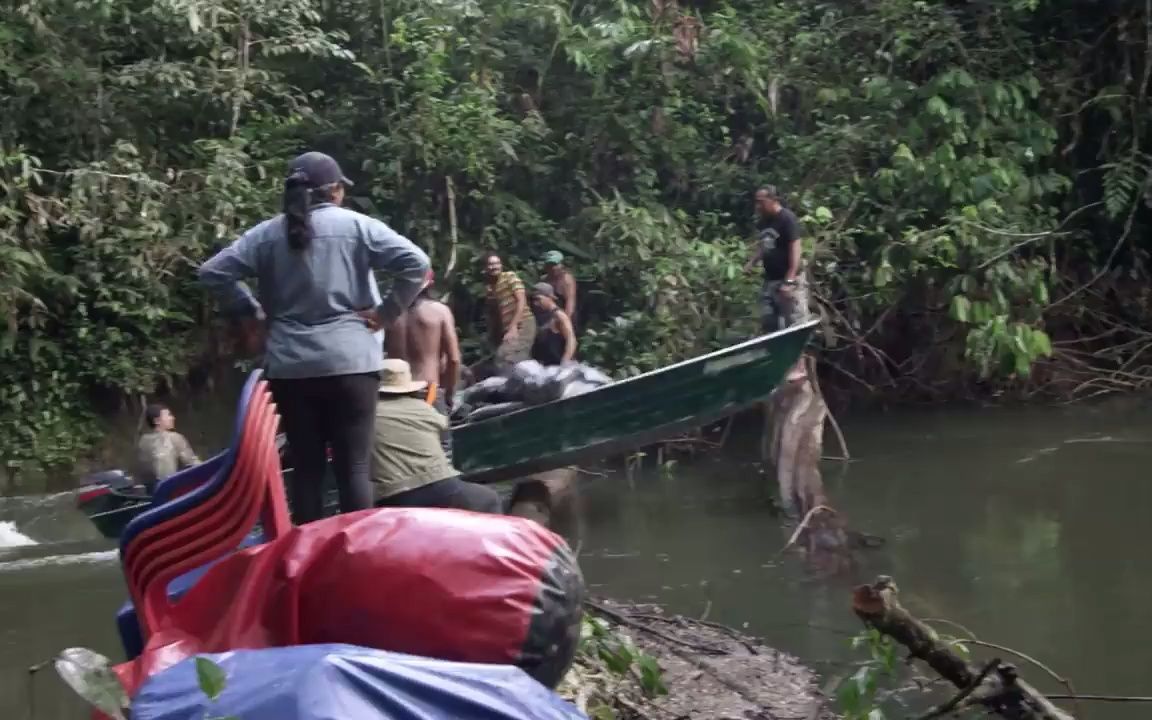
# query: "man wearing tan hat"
409,466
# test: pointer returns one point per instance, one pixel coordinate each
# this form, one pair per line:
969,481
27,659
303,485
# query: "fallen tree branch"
801,527
1058,678
814,378
593,473
1105,698
627,620
1000,691
954,703
680,621
971,639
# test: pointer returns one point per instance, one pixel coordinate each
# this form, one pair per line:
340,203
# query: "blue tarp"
344,682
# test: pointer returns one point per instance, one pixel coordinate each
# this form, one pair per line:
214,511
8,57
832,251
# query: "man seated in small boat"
161,451
425,336
555,342
409,466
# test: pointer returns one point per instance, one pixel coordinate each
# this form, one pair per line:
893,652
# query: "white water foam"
89,558
11,537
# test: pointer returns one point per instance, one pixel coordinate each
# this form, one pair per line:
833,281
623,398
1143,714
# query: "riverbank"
640,663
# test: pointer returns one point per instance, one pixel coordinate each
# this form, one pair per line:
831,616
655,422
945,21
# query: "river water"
1026,526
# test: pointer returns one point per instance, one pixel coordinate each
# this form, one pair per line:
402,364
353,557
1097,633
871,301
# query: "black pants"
450,493
338,412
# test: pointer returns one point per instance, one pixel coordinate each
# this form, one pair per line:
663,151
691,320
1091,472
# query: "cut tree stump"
995,688
794,433
792,444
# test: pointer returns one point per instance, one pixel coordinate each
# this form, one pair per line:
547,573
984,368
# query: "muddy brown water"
1029,527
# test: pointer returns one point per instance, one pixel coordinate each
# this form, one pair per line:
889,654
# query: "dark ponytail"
297,198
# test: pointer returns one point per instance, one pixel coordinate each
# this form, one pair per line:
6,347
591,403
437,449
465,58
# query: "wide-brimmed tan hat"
396,378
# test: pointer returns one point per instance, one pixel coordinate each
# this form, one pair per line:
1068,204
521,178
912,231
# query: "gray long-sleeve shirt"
311,297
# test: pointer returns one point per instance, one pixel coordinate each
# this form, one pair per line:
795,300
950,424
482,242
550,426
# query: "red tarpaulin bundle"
443,584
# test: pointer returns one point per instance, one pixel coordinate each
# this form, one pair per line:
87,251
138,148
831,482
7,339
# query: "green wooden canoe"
628,414
612,419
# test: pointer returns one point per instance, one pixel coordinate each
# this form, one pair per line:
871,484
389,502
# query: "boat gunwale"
753,342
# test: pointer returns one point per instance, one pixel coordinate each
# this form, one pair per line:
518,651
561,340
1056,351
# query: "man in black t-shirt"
783,297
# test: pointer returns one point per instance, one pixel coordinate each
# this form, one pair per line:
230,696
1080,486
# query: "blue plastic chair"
210,476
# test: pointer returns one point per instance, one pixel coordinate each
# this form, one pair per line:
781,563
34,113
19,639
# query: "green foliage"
620,656
857,695
126,167
934,151
212,680
1124,182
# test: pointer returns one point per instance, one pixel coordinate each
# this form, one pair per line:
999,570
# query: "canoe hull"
630,413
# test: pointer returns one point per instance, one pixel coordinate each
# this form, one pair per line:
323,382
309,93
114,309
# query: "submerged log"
550,498
995,688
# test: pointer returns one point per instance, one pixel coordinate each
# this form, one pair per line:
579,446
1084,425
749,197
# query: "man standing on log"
783,297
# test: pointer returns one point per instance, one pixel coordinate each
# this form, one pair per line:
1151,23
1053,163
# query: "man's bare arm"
450,347
570,296
569,337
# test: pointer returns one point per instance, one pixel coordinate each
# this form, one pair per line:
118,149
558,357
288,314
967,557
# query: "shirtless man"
562,281
425,336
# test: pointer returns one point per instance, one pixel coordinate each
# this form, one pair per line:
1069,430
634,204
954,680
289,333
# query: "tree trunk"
795,426
793,444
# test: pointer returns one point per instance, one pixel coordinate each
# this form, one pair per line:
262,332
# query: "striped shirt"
503,293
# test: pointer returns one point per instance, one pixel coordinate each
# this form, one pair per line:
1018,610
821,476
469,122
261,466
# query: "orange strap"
431,399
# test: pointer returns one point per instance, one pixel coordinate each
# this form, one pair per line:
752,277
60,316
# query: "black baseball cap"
319,170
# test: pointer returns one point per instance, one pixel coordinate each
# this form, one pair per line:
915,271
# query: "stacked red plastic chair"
444,584
210,521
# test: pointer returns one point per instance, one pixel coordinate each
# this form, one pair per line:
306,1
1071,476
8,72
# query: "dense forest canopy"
973,175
